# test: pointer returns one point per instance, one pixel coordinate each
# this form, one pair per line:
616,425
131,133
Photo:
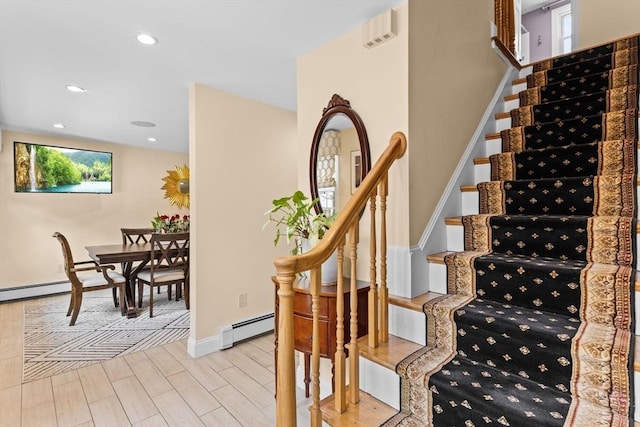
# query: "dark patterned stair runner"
538,323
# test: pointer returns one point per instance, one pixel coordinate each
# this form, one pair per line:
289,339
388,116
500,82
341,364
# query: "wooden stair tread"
519,81
438,258
493,135
481,161
512,97
368,412
505,115
390,353
415,303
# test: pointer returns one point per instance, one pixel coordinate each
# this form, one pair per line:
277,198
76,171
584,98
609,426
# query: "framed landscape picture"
50,169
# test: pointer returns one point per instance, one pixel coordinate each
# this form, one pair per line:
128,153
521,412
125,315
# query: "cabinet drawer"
302,305
303,331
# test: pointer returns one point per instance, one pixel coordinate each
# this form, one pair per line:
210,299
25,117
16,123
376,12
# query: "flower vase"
329,268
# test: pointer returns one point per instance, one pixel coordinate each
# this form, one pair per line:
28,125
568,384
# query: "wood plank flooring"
162,386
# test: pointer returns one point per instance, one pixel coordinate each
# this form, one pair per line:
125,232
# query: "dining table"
132,256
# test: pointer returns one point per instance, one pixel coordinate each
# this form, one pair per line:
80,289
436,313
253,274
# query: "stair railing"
504,16
347,225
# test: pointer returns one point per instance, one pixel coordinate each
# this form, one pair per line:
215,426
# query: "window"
561,30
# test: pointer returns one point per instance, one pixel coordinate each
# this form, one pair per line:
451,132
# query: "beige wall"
599,21
375,82
30,255
242,156
453,74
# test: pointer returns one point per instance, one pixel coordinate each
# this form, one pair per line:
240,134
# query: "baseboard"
34,291
197,348
246,329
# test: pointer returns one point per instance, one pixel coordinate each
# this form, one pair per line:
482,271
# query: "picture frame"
356,170
40,168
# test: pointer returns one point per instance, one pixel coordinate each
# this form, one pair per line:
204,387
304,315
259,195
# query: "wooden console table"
303,321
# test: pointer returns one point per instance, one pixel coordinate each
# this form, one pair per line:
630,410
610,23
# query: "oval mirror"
340,156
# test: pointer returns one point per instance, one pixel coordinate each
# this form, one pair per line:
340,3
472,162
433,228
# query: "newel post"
285,379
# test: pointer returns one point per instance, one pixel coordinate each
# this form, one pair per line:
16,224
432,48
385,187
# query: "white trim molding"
34,291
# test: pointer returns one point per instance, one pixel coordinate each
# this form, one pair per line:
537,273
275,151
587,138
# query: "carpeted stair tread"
564,287
536,283
579,86
622,98
604,239
588,53
593,128
517,339
569,160
581,195
496,394
616,59
502,398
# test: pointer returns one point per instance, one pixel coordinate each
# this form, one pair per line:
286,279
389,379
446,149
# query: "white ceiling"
530,5
245,47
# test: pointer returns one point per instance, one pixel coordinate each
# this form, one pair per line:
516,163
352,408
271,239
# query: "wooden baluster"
497,17
383,188
511,26
314,289
340,357
354,350
285,379
373,286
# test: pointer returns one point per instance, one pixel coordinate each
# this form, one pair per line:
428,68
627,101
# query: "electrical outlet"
242,300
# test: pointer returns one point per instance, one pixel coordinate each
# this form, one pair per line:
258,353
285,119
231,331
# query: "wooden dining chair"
131,236
88,276
169,265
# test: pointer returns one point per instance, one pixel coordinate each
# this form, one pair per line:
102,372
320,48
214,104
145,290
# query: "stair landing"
368,412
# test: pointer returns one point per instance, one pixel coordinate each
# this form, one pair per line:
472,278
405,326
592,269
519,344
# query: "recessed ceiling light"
58,126
143,124
76,89
152,139
147,39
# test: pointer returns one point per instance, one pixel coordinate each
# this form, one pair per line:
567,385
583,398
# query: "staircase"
556,194
530,318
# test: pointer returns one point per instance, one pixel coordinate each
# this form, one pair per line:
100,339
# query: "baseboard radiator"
246,329
34,291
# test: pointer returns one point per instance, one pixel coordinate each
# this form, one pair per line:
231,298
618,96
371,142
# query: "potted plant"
170,224
295,220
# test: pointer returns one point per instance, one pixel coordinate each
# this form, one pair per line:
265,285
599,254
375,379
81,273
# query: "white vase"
329,269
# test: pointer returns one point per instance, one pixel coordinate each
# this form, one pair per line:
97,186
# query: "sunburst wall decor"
176,186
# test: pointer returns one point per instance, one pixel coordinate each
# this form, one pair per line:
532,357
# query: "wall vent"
380,29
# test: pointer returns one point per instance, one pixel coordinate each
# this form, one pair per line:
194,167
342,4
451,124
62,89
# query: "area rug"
52,347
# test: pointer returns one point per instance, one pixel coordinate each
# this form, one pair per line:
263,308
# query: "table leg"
131,300
307,377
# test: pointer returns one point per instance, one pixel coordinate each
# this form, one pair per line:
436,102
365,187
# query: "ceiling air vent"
379,29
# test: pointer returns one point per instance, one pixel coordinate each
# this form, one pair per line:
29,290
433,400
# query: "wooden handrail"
504,15
287,268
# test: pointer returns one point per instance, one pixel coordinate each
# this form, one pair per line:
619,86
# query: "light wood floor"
162,386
